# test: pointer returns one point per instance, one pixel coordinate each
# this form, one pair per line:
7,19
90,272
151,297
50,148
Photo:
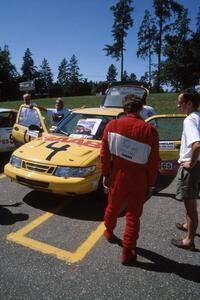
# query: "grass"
163,103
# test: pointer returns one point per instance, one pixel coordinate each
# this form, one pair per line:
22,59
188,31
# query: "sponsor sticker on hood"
84,142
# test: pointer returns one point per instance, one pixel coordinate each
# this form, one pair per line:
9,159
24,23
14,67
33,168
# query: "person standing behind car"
28,116
58,113
129,162
27,100
188,176
147,111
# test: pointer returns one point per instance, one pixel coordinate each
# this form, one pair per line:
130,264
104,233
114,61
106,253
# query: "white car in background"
7,120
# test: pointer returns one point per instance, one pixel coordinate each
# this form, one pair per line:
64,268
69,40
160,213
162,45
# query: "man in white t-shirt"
58,113
188,177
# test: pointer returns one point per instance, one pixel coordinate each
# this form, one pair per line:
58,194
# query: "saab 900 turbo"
67,161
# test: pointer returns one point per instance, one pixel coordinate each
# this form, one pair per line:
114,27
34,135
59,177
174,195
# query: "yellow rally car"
66,160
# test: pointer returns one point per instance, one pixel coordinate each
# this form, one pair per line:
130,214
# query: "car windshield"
114,95
87,126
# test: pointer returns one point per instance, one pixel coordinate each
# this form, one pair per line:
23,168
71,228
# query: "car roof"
126,83
135,84
104,111
5,109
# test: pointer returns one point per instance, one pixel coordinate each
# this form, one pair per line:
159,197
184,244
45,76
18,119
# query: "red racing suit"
130,156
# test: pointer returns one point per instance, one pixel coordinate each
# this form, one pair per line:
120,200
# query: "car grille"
32,183
37,167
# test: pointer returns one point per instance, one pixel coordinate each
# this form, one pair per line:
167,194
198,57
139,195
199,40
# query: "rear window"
114,95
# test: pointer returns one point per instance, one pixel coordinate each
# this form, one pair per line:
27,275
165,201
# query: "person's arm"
153,163
105,158
192,133
42,108
194,157
154,158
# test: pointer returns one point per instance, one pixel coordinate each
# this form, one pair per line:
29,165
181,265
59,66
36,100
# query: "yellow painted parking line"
71,257
2,176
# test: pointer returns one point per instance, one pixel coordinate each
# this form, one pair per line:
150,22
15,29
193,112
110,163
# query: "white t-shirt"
57,115
29,116
190,134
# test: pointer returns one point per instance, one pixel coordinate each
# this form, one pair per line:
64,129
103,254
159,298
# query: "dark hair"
191,95
132,104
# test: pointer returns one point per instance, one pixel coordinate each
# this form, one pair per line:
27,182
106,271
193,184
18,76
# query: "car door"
7,119
29,125
170,130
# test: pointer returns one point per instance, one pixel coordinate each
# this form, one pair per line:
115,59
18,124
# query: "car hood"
60,150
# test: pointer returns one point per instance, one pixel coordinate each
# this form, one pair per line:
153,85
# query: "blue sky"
58,29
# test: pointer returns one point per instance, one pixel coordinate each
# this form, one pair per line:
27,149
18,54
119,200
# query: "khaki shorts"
188,181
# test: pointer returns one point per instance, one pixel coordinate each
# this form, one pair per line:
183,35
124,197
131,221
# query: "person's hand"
187,165
149,193
106,181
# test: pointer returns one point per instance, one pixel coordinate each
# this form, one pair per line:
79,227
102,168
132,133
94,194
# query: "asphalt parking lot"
52,248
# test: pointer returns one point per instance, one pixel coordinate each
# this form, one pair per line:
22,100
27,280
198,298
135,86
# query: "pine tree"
178,54
8,75
63,72
74,75
163,11
133,77
112,74
46,74
7,69
122,22
146,41
28,69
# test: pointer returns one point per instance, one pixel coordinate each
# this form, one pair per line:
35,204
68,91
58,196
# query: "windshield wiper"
63,132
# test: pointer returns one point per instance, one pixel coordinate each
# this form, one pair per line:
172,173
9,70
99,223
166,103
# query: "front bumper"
49,183
168,167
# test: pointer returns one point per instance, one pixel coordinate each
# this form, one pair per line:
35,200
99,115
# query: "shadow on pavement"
8,218
161,264
87,207
163,182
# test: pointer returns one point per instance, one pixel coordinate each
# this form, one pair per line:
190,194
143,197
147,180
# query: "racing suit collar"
131,115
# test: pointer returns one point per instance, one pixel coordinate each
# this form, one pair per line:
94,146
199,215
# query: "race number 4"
55,149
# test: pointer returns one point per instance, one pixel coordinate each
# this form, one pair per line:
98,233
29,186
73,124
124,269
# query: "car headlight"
74,172
16,161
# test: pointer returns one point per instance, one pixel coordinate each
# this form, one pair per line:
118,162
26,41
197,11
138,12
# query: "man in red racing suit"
129,163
